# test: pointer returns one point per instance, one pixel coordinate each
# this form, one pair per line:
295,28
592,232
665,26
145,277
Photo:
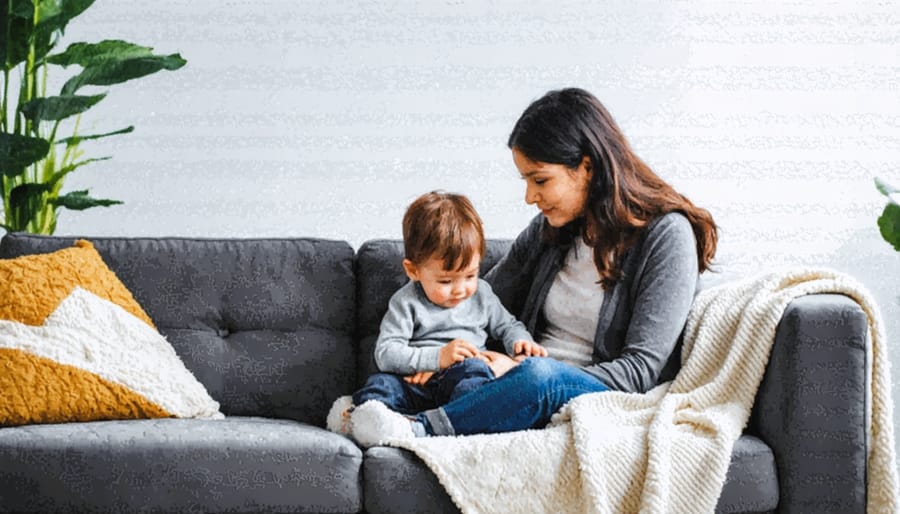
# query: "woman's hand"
455,351
499,363
529,349
419,378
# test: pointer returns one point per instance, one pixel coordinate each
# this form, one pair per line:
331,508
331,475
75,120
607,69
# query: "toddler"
431,342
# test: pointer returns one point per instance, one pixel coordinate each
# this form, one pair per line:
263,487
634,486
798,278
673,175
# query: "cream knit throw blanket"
666,451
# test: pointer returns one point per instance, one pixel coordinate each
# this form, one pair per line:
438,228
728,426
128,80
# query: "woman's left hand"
499,363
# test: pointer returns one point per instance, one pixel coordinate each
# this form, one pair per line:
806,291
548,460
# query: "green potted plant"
39,137
889,221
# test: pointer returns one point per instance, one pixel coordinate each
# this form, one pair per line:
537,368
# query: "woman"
604,277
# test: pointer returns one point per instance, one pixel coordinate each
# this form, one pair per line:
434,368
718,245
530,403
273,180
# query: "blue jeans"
444,386
525,397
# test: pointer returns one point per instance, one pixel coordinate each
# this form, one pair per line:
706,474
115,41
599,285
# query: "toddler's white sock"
372,423
338,419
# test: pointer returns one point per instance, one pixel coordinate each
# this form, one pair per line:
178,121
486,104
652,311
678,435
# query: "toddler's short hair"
443,226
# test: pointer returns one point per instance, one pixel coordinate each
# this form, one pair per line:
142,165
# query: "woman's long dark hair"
624,195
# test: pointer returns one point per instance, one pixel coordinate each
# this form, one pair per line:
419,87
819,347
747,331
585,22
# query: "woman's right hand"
499,363
419,378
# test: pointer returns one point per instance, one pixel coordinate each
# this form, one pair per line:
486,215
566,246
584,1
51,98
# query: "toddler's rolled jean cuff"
436,422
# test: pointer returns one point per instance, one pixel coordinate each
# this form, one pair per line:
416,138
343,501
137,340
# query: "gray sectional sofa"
276,329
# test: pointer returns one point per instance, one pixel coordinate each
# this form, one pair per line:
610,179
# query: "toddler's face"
446,288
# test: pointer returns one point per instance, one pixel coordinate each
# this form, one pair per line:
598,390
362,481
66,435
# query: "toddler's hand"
419,378
529,349
455,351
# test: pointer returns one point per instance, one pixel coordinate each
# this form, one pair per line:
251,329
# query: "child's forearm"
402,359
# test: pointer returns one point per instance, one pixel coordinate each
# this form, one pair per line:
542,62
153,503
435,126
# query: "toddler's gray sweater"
414,329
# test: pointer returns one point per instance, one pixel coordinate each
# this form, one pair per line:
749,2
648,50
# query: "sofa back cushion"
379,273
266,325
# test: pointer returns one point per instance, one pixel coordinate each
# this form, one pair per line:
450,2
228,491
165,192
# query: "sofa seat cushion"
396,480
178,465
752,481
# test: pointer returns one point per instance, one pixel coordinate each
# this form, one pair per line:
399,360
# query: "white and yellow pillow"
76,346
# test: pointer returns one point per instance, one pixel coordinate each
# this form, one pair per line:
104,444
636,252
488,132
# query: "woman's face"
558,191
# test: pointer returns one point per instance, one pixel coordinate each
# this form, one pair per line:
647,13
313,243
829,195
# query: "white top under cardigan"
572,308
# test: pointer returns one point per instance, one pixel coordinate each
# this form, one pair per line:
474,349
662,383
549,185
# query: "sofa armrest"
811,406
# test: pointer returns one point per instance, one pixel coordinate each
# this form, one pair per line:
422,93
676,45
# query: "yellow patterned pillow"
76,346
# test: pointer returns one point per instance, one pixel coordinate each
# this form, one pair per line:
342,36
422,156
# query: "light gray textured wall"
325,118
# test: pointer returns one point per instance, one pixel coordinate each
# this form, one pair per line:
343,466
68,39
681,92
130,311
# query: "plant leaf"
55,15
79,201
54,108
25,202
22,9
25,192
72,8
117,71
74,140
42,33
90,54
62,172
885,188
48,9
16,28
17,152
889,224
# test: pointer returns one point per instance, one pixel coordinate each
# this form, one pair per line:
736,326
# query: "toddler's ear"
410,268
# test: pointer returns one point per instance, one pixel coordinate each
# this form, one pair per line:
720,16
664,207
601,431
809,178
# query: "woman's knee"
540,369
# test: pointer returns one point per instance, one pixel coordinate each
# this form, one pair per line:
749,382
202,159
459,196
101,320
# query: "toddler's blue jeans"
444,386
525,397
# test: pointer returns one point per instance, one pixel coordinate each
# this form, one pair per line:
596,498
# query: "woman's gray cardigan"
637,344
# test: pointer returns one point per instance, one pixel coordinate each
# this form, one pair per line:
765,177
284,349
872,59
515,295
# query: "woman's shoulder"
670,223
671,231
